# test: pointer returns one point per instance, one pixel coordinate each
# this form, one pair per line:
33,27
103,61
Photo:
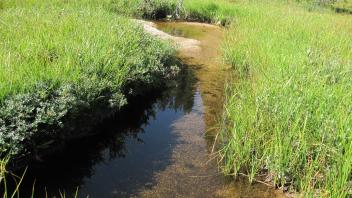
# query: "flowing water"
157,147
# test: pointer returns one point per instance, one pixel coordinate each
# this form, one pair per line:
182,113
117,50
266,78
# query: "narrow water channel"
158,147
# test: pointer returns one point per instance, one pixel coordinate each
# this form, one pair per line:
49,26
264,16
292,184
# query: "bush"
148,9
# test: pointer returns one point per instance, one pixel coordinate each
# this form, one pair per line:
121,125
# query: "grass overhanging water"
61,62
65,62
288,115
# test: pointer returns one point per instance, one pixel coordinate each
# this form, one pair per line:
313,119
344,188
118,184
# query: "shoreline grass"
62,62
290,112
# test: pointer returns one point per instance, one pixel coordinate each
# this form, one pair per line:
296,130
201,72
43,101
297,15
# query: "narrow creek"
158,146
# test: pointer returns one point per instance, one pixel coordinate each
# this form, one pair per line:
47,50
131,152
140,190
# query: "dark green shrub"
149,9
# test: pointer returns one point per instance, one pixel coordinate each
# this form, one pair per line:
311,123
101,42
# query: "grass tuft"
290,112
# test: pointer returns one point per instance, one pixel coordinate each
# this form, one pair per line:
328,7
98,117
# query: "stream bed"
158,146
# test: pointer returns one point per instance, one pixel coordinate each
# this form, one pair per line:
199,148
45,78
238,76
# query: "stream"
158,146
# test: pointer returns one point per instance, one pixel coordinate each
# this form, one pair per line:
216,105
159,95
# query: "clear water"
157,147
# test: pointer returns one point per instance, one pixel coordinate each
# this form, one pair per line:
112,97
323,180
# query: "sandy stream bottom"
192,173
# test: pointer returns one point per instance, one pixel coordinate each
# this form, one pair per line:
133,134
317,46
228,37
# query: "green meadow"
61,61
287,113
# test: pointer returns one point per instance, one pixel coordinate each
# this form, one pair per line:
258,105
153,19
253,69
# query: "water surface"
157,147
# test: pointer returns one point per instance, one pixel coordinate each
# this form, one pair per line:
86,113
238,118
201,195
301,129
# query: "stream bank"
157,147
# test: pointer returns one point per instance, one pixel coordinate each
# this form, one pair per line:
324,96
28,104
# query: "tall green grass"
218,12
290,111
210,11
62,60
5,190
288,115
64,44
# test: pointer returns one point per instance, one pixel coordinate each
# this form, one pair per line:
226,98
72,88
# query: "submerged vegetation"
288,115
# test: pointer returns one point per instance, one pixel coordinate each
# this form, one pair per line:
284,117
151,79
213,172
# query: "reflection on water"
122,158
156,146
209,69
182,30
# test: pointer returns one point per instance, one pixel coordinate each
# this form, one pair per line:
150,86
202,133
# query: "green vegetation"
4,174
220,11
289,114
343,6
150,9
64,62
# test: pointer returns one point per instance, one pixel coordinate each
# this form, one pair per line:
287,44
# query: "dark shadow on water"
121,160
